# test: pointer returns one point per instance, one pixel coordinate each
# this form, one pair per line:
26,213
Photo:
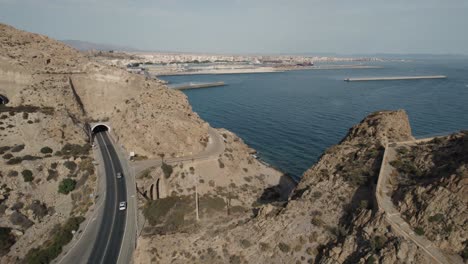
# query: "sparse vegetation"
284,247
245,243
52,175
264,246
39,209
27,175
71,165
61,236
370,260
17,148
12,173
145,174
66,186
378,242
436,218
8,156
419,231
172,207
46,150
167,170
74,150
20,219
220,163
27,109
14,161
406,166
6,240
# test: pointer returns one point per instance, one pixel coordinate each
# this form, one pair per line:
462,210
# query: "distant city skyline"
253,27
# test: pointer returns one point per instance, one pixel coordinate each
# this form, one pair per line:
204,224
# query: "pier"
188,86
396,78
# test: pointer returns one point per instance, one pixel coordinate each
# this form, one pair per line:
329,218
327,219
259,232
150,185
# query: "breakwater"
396,78
188,86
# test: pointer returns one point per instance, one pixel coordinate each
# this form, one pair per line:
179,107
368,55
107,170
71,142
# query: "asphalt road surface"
106,248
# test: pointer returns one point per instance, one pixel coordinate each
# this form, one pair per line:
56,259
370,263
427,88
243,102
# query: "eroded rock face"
146,117
432,190
54,92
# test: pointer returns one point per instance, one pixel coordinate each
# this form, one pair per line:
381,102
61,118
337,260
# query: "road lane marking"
115,194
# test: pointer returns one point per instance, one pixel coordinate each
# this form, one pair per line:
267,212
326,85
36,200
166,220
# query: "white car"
119,175
122,206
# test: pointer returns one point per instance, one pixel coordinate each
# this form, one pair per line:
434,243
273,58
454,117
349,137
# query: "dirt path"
393,216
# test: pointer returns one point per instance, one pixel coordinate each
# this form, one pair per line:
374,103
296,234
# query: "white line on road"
115,193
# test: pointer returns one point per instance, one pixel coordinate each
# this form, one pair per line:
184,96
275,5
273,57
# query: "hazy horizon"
251,27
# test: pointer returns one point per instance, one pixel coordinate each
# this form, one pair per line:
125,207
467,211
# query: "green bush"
14,161
20,219
378,242
284,247
6,240
27,175
71,165
436,218
167,169
66,186
245,243
402,150
12,173
419,231
7,156
17,148
52,248
406,167
371,260
46,150
464,253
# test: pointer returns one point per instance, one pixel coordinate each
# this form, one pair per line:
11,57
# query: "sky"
252,26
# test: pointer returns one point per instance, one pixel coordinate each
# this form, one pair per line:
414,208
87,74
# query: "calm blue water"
292,117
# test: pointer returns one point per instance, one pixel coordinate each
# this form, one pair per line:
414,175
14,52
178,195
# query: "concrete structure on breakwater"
395,78
197,85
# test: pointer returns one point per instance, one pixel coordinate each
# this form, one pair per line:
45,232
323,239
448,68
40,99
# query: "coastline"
262,70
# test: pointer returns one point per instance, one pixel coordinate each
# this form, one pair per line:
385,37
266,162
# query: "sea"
291,117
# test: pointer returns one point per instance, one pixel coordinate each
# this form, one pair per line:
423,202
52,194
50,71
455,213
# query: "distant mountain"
85,45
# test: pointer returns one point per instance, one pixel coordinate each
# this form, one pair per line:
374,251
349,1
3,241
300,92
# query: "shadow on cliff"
279,192
363,198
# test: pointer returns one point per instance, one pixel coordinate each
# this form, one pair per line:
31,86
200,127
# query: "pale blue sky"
252,26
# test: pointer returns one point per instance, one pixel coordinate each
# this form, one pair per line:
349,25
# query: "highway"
106,248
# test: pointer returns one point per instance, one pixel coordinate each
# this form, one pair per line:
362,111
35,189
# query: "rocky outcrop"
431,190
327,219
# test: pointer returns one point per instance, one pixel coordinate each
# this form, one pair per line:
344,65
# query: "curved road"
214,148
107,245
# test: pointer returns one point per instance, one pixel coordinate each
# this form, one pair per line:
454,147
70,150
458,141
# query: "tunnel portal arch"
3,100
100,127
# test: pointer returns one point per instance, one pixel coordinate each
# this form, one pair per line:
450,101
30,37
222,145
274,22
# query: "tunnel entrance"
3,100
100,128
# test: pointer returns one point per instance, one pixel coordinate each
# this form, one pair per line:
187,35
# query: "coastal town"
159,64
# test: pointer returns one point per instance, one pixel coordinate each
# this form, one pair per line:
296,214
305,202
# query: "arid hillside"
51,96
331,217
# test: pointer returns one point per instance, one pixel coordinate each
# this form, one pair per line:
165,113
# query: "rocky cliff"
331,217
54,94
